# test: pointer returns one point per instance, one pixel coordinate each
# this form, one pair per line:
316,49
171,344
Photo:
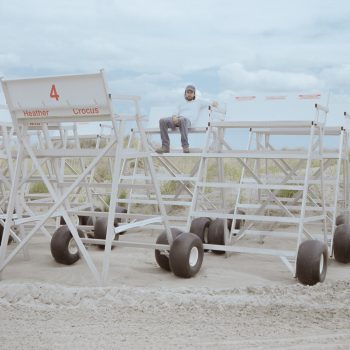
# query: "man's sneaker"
162,150
186,150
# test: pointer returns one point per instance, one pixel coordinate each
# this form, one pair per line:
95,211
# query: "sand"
238,302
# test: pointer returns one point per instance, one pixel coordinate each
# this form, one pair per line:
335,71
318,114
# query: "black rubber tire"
312,259
60,246
100,231
185,247
89,221
342,219
341,243
216,234
163,260
1,232
122,210
10,240
198,227
239,222
118,209
81,220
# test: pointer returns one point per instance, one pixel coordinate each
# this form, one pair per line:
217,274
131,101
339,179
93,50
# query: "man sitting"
187,114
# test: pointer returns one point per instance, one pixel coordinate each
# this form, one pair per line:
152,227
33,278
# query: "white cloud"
9,59
337,77
153,48
155,89
164,35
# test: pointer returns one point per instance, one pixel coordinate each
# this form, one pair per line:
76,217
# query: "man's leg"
184,125
164,125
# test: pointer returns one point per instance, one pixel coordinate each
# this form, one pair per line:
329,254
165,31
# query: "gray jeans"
166,123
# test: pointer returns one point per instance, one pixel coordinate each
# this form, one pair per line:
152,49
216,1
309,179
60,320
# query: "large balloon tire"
186,255
100,231
120,210
63,247
89,220
117,221
341,243
342,219
200,226
1,232
161,258
77,220
311,265
216,234
239,222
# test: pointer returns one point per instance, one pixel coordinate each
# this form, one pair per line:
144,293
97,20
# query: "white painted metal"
177,197
85,98
293,170
39,103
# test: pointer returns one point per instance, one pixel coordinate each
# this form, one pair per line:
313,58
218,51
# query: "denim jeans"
166,123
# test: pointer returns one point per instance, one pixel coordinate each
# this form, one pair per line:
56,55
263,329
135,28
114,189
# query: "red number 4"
53,92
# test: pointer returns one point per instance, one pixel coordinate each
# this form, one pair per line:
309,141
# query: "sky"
154,48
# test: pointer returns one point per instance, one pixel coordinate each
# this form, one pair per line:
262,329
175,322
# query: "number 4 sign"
53,92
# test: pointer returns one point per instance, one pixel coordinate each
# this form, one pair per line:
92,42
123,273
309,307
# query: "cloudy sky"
154,48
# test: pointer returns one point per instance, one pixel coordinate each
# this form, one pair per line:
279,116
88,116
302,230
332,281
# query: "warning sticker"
275,97
309,97
245,98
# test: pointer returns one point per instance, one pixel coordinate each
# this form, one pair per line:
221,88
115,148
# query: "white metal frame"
261,153
84,93
168,170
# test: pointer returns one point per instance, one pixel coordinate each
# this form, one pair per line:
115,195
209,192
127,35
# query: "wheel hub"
321,264
194,256
72,247
206,234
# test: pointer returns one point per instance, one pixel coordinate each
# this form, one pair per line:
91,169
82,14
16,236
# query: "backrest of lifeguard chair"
286,107
4,114
4,111
157,113
337,106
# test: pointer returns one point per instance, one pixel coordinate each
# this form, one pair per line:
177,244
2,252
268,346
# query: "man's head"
190,93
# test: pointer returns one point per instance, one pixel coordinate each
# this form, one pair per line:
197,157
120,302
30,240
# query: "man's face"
189,95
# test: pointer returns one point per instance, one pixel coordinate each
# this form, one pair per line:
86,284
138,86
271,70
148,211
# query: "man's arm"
206,104
175,116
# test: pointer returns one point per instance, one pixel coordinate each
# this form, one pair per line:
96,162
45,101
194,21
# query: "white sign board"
4,114
284,107
74,96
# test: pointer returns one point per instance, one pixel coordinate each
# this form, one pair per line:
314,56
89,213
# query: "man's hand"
215,104
175,120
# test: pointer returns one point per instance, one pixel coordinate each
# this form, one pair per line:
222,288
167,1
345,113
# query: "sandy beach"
241,301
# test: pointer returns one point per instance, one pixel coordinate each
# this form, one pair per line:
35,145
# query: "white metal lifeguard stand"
36,103
267,173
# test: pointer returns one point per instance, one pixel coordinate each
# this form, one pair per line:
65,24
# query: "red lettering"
53,93
83,111
276,97
36,113
309,97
